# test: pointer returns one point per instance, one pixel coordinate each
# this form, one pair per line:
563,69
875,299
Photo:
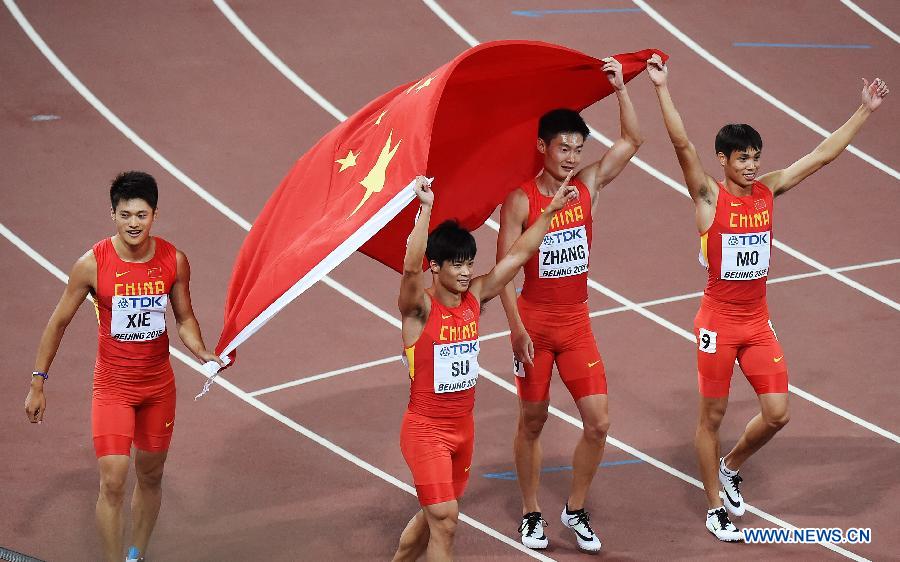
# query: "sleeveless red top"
443,363
737,247
557,273
131,304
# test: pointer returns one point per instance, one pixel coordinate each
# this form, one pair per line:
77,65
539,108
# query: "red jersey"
557,273
443,363
737,247
131,304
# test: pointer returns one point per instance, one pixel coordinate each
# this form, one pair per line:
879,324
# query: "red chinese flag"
471,124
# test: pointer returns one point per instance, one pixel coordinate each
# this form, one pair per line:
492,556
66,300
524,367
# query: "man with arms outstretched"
734,218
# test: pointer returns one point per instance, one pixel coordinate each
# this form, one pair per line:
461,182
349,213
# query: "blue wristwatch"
39,374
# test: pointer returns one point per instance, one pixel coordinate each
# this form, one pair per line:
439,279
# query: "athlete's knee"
711,415
442,523
148,469
112,486
778,420
531,422
597,430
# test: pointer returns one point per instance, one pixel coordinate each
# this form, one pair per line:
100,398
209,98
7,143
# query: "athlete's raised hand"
35,404
563,195
657,70
423,191
613,70
873,94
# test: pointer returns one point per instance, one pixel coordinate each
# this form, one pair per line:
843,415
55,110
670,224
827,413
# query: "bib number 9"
706,341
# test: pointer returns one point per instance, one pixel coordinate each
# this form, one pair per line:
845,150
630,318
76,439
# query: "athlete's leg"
147,497
414,539
595,417
442,519
765,367
153,427
113,472
773,416
534,391
706,443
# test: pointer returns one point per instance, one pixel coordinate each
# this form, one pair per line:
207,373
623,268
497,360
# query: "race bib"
564,253
745,257
455,366
138,318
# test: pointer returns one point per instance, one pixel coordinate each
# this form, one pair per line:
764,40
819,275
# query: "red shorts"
728,332
438,452
561,334
128,412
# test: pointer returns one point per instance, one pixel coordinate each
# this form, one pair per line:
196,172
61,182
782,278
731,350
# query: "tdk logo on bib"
457,349
745,257
139,318
748,239
563,253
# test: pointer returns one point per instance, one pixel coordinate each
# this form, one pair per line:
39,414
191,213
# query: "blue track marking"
511,474
802,45
541,13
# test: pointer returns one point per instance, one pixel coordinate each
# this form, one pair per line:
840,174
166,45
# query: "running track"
244,480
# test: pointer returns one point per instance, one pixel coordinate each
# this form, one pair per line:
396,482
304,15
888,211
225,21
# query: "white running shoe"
580,523
532,529
720,525
731,484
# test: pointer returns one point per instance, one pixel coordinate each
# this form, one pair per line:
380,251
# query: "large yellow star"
374,180
347,161
426,83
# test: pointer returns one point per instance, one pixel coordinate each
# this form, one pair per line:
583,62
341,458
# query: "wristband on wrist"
39,374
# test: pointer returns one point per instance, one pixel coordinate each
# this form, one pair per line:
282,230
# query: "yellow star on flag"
347,161
426,83
378,121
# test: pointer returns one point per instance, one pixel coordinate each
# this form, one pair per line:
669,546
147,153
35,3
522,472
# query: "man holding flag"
549,323
440,339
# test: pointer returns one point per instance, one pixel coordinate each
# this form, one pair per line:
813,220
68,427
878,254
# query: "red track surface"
242,486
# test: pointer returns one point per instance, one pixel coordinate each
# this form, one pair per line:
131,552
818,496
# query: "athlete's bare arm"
487,286
82,280
412,302
702,188
513,216
188,327
781,181
597,175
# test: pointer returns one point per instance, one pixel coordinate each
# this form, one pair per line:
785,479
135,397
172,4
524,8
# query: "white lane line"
869,18
594,314
269,55
326,375
745,82
666,180
114,119
276,415
275,61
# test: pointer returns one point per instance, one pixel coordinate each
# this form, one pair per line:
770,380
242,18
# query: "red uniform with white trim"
134,386
553,304
438,431
733,320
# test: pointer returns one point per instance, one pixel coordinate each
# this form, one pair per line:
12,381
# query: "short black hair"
737,136
559,121
134,185
450,242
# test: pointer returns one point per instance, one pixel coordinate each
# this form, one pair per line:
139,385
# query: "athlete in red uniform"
132,277
734,218
549,323
440,340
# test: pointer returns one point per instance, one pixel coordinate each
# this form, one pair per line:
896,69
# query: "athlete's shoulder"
85,269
